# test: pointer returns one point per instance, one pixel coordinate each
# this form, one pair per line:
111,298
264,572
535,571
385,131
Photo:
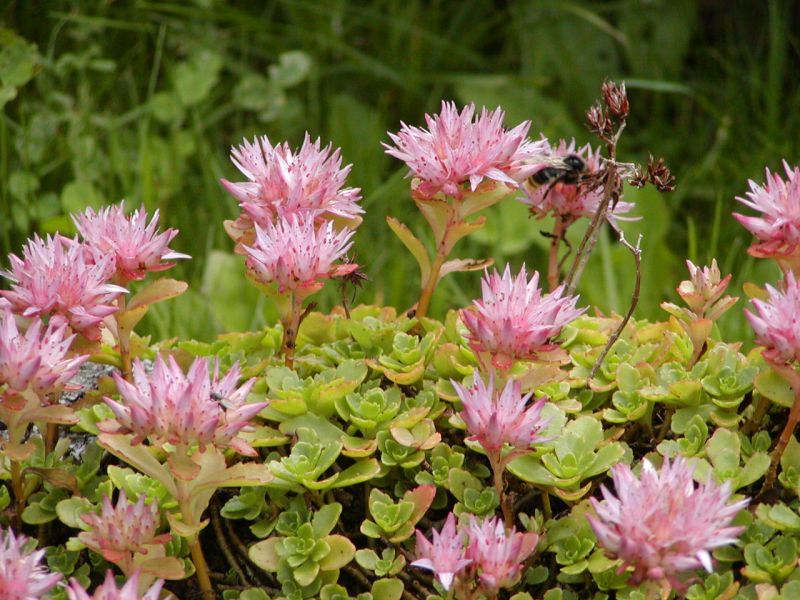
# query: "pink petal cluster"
482,550
169,406
497,555
54,278
109,591
283,182
462,148
703,292
777,322
513,320
295,254
777,229
445,555
134,245
37,359
663,523
22,576
118,531
570,201
505,418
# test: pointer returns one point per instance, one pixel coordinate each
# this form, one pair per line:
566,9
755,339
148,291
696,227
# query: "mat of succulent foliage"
522,447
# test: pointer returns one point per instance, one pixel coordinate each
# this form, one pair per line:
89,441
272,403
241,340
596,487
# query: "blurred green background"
142,100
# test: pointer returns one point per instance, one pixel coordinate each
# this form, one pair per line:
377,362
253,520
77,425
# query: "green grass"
141,100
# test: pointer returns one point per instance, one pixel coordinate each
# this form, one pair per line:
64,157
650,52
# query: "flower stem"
430,285
198,558
498,467
291,323
17,479
51,437
553,271
18,489
791,375
124,340
201,569
546,508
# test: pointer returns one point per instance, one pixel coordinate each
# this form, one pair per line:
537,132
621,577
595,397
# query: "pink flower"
284,183
513,320
295,254
37,359
459,148
663,523
570,201
445,556
22,577
778,228
168,407
777,324
109,591
498,555
135,245
506,419
702,293
53,278
122,530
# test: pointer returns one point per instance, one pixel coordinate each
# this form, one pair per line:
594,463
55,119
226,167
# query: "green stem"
18,489
124,340
15,433
198,558
546,508
430,285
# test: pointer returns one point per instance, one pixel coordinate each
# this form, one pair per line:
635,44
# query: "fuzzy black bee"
569,170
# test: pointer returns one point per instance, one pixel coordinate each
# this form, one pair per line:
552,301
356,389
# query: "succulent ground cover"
525,446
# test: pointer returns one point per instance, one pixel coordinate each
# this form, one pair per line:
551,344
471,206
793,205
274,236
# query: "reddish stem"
788,373
553,271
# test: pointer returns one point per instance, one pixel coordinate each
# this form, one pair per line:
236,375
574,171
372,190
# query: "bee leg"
566,255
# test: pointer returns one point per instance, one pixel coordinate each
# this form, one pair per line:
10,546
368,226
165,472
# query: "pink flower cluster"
570,201
22,576
286,229
283,183
122,530
108,590
777,229
481,550
72,281
663,523
37,359
196,408
459,150
513,320
55,278
134,245
776,321
497,419
296,254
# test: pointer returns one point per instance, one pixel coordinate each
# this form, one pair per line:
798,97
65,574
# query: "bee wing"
534,164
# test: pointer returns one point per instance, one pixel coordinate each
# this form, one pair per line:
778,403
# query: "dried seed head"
598,121
616,99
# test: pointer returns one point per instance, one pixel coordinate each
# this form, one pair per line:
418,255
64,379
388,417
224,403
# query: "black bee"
569,170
